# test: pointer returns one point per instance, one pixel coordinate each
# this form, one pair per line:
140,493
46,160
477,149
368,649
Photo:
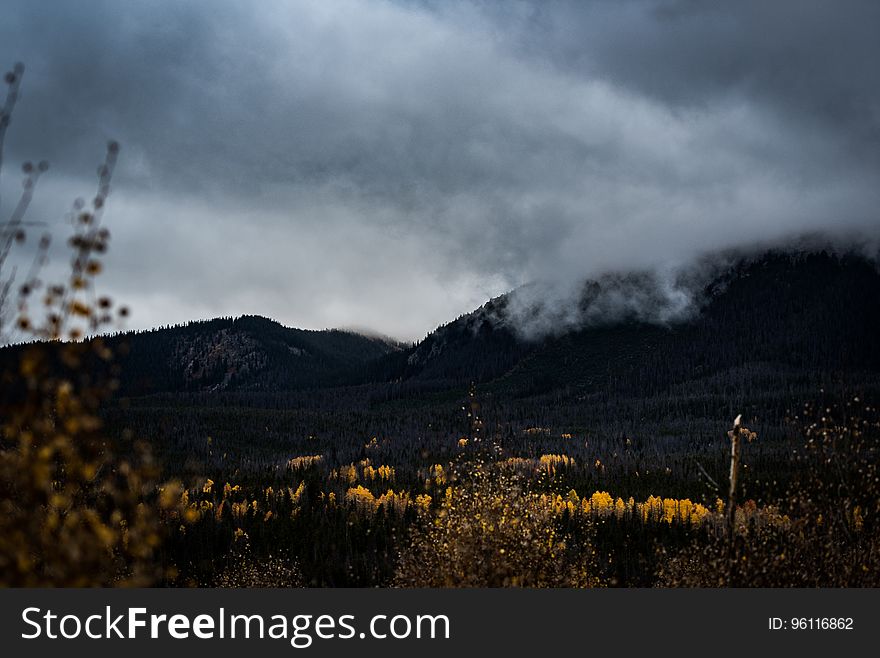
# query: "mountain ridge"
244,353
802,312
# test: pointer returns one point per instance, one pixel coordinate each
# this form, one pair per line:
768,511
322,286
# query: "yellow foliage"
305,461
552,462
423,502
295,496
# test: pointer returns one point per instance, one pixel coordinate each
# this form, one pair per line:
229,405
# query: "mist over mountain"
811,310
667,294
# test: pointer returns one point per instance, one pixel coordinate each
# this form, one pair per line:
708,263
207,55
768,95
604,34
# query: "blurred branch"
13,80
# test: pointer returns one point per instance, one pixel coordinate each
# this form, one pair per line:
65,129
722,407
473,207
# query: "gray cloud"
393,164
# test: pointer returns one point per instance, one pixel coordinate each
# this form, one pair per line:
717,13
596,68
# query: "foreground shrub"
491,532
75,510
244,569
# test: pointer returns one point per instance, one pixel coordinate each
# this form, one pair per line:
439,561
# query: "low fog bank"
666,294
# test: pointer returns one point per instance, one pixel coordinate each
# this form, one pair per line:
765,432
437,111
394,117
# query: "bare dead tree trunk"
737,434
735,443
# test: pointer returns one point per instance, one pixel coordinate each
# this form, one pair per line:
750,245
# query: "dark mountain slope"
804,312
247,353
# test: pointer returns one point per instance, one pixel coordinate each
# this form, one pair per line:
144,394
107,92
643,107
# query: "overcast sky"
391,165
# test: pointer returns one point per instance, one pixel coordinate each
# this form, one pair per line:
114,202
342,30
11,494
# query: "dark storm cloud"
391,165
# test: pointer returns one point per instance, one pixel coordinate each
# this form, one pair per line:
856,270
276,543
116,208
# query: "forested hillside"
249,353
